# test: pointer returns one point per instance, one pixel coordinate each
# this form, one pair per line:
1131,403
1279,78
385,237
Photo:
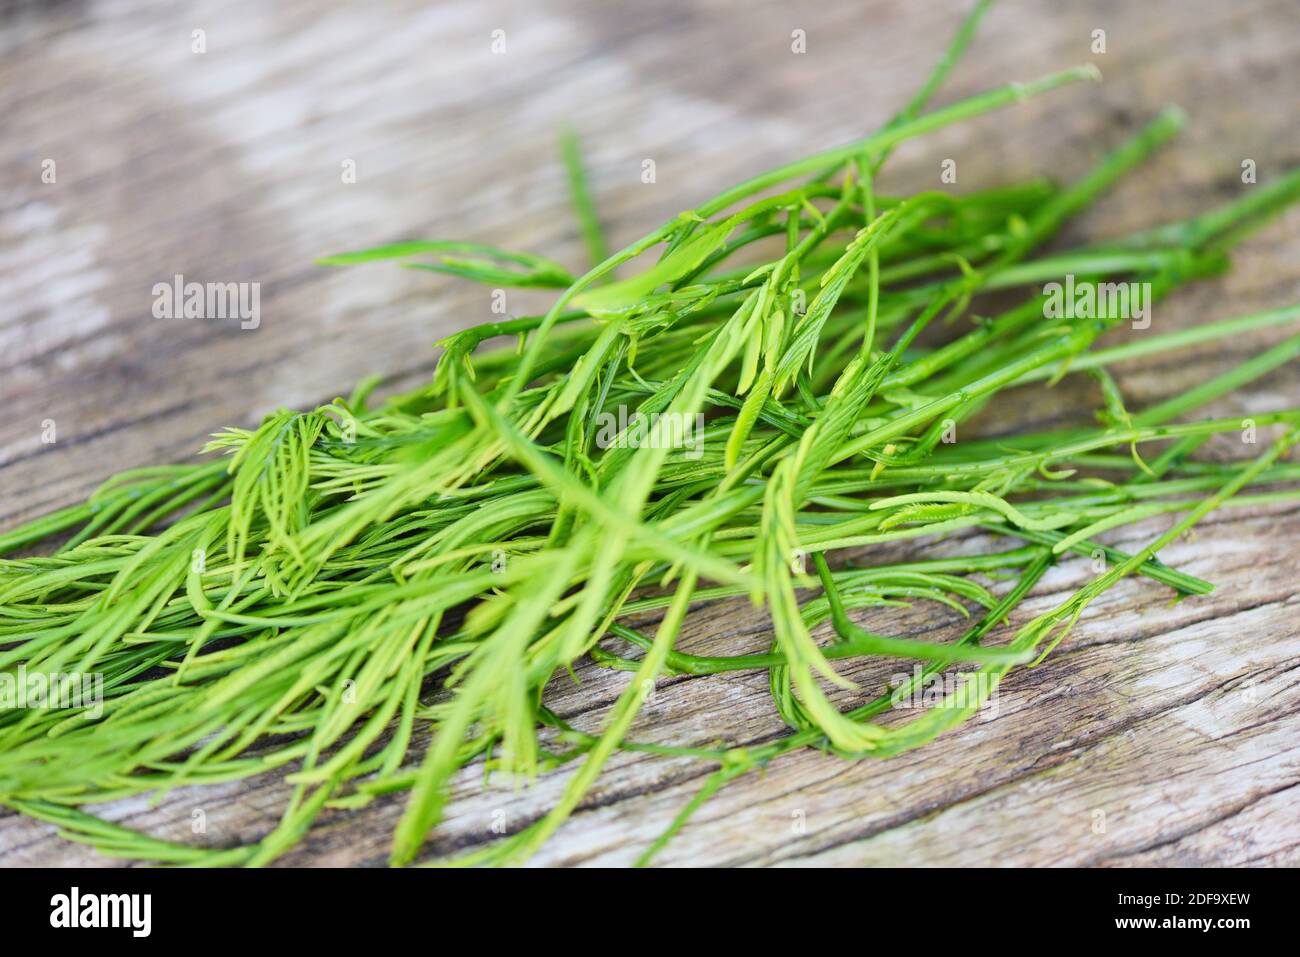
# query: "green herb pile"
349,582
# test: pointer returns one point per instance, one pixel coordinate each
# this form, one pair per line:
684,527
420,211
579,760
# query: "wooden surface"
1180,724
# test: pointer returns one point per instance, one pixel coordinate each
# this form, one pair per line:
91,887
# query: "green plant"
351,575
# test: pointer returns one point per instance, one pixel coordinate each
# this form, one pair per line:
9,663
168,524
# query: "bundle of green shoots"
352,577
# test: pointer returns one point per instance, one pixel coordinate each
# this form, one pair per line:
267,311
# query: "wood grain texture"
1179,724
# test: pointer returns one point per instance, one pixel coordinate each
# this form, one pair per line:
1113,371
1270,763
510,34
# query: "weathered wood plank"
1179,723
